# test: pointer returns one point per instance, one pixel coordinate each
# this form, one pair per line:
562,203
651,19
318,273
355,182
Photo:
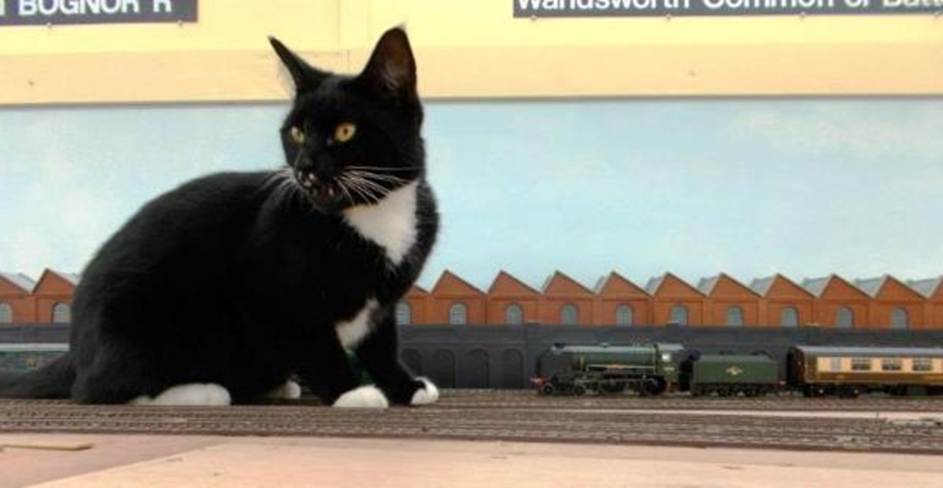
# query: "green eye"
296,135
345,132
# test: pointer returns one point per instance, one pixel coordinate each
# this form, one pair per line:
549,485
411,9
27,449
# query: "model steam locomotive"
652,369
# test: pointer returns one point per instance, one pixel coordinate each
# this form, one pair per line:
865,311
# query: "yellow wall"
473,49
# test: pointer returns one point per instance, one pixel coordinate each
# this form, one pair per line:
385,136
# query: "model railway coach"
648,369
850,371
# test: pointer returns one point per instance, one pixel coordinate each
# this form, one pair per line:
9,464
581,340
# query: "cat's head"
351,140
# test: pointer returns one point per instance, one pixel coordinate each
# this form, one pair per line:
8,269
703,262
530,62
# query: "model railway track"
524,399
484,421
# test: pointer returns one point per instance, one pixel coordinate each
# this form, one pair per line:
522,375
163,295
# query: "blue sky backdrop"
748,187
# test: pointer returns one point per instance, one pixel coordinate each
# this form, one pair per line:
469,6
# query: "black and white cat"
221,290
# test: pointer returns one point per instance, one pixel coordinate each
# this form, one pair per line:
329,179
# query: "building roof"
816,285
706,285
73,278
560,277
19,280
871,286
655,284
614,279
762,285
450,277
926,287
505,277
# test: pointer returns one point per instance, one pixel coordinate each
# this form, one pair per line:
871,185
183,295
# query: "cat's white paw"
363,397
188,395
427,395
289,391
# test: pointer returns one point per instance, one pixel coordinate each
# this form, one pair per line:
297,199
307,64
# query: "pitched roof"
504,276
926,287
655,284
448,276
559,277
762,285
614,281
817,286
19,280
417,290
706,285
73,278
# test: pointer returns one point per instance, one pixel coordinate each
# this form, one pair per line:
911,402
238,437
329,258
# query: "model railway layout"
523,416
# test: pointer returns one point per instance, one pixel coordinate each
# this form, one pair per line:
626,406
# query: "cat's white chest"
391,223
351,332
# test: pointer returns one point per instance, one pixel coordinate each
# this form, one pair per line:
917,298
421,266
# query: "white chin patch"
289,391
391,223
188,395
363,397
427,395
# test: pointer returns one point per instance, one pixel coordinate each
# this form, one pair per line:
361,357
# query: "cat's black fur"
239,278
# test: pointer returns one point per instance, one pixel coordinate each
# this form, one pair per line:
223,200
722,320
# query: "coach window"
845,318
569,315
789,317
735,316
624,315
891,364
860,364
679,315
404,314
900,319
514,315
458,314
61,313
834,364
6,313
923,364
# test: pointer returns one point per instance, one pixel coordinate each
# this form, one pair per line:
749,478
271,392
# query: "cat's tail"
52,381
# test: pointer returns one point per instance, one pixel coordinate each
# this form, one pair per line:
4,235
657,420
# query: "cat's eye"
296,135
345,132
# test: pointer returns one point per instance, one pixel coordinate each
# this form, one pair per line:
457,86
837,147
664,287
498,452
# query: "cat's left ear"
391,70
305,76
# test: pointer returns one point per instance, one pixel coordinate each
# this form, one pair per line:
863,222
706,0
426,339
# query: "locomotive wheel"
579,390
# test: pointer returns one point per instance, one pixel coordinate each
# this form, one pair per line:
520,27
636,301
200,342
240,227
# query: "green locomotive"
27,357
648,369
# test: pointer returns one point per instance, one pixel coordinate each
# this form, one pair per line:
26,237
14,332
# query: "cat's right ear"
305,76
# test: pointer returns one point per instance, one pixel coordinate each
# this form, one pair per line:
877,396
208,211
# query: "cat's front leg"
378,354
328,373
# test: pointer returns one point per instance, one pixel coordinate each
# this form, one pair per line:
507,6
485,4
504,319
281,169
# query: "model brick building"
47,301
775,301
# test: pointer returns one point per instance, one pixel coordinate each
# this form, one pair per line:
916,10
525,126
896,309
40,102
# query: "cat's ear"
391,70
305,76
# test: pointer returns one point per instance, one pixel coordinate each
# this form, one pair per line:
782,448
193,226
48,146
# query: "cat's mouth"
326,194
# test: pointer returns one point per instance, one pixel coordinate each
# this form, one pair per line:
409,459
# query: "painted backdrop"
696,187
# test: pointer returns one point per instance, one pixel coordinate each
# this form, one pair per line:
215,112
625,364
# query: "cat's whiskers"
375,187
371,191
